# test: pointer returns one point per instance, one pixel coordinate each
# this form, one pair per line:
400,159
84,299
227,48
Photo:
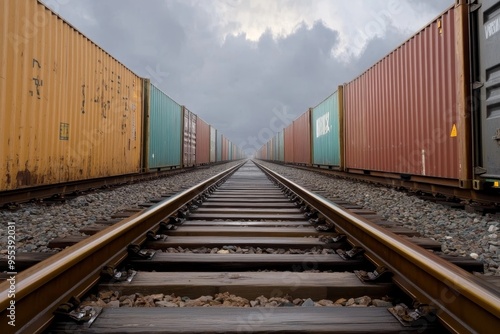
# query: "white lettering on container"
323,125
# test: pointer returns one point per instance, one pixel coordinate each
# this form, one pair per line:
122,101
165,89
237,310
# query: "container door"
489,71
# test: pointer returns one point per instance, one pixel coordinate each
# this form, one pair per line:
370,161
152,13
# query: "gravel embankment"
461,233
37,224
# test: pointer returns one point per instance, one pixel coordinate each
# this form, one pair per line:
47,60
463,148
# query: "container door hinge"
477,84
419,315
82,315
351,254
381,274
474,7
137,252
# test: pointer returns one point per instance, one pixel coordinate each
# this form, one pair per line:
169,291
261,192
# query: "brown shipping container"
189,138
302,139
288,134
202,142
402,114
68,110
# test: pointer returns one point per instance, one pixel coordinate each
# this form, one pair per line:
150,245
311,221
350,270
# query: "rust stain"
24,178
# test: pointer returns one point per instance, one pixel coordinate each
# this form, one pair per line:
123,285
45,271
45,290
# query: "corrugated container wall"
202,142
164,136
213,144
326,131
68,110
302,139
218,146
225,148
264,152
401,115
288,138
281,146
230,151
189,139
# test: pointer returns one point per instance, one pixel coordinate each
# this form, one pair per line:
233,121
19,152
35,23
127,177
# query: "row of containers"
70,111
411,114
176,137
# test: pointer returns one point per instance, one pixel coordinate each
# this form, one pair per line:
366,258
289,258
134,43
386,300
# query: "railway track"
247,242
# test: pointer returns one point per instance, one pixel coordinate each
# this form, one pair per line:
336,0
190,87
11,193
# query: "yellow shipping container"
68,110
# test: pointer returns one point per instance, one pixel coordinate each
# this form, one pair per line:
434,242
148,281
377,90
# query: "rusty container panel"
202,142
302,139
68,110
189,138
401,115
213,144
288,141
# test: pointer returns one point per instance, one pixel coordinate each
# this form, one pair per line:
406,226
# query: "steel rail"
40,289
464,302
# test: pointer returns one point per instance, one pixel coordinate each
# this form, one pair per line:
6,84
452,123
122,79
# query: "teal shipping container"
164,133
327,136
218,146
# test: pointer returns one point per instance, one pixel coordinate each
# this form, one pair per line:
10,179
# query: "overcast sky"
248,67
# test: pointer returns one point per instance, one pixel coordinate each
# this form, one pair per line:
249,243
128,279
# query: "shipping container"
218,146
263,152
327,138
288,138
403,114
230,151
225,144
202,142
189,138
302,139
485,40
68,110
269,150
281,146
213,144
163,134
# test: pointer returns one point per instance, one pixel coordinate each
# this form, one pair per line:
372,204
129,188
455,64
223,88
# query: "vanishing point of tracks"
245,208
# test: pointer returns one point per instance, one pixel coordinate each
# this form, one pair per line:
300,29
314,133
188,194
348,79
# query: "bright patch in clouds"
357,21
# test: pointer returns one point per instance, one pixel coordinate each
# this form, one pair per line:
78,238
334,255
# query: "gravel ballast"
460,233
37,224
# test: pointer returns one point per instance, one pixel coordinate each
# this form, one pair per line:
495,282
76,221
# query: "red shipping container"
402,114
288,135
202,142
302,139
